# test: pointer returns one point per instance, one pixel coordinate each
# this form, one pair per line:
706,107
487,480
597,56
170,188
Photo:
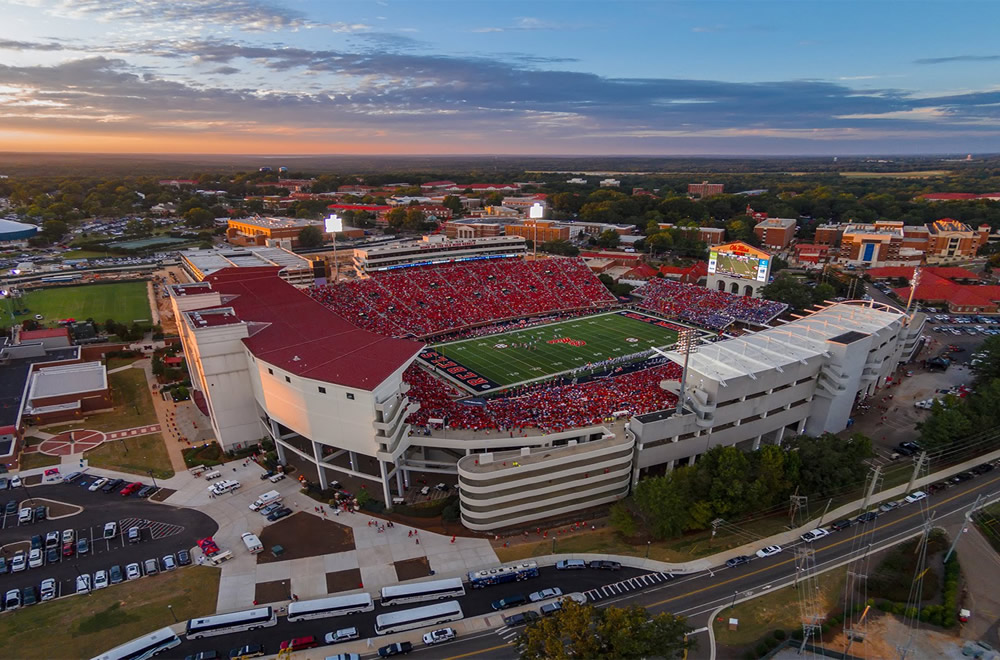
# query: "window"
350,397
322,390
270,371
287,379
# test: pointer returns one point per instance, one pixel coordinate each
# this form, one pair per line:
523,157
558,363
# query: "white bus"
144,647
412,593
332,606
222,624
418,617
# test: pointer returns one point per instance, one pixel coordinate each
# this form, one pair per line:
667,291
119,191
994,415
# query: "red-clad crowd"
429,300
553,406
705,307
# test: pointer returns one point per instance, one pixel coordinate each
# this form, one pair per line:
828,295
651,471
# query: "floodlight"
536,211
334,224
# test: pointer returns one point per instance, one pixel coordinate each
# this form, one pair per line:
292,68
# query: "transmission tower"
807,588
916,590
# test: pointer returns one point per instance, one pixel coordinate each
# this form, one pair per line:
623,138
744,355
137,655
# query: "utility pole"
796,504
875,477
968,517
918,463
715,528
825,511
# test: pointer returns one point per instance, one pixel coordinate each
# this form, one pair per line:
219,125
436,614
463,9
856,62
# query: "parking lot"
163,530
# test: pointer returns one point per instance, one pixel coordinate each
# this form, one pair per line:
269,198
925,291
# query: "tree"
609,238
622,519
563,248
583,631
453,204
310,236
396,217
415,219
790,290
199,217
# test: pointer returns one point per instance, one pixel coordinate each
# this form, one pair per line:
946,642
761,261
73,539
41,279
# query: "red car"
299,643
68,549
131,488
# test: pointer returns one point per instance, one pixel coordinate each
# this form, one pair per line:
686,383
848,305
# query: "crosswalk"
631,584
157,530
507,634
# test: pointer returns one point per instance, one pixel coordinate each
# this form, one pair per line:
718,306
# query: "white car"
110,530
768,551
25,516
342,635
97,484
438,636
48,589
545,594
15,481
83,583
814,534
915,496
100,579
68,536
132,572
12,600
19,562
35,558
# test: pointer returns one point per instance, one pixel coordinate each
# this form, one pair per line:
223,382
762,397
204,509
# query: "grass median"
136,454
84,626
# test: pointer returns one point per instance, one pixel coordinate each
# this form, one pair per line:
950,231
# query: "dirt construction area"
302,535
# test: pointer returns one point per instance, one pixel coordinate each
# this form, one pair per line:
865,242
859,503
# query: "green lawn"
122,301
137,455
133,405
85,626
506,360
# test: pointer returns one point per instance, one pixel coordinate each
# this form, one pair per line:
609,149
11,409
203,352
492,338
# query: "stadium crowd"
705,307
429,300
551,406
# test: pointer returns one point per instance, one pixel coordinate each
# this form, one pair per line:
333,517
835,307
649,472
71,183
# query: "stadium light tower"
686,345
333,225
536,213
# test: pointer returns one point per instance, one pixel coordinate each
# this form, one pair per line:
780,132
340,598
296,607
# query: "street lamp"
648,543
333,225
171,608
153,478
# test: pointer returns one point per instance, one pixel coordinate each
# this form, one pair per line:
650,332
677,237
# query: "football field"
541,352
122,301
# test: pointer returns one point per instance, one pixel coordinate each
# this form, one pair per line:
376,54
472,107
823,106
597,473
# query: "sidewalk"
978,558
163,409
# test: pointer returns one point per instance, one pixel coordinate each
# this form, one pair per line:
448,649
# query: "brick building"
775,233
705,189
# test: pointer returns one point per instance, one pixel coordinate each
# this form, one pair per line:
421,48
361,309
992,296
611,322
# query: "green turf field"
122,301
502,358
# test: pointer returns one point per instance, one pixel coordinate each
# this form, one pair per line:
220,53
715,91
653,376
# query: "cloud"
248,15
225,70
7,44
484,30
708,28
958,58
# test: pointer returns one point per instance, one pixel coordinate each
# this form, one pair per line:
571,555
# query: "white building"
293,268
435,249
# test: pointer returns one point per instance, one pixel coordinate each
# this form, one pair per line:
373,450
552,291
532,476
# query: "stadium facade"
15,232
273,362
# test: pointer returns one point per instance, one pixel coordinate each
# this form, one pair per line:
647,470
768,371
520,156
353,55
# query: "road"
165,529
698,596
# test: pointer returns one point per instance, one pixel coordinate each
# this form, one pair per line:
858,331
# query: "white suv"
814,534
438,636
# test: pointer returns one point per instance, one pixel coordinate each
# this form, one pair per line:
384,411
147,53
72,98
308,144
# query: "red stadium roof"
298,334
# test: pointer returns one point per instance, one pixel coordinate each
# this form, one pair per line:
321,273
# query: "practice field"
544,351
122,301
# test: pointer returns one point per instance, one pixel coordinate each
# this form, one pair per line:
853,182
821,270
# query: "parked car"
131,488
544,594
68,549
41,513
606,565
52,556
508,602
299,643
278,514
570,564
814,534
52,539
866,517
738,560
768,551
983,469
521,618
28,596
150,567
68,536
438,636
48,589
342,635
396,648
183,558
10,507
98,484
550,608
82,546
248,651
35,558
112,486
270,508
83,583
18,562
12,600
145,491
15,481
110,530
132,572
169,563
100,579
115,574
886,507
24,516
915,496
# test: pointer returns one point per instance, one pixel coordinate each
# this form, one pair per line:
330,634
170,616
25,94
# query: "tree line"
729,483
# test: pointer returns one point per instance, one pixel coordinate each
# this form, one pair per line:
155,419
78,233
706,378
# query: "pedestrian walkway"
81,440
631,584
164,414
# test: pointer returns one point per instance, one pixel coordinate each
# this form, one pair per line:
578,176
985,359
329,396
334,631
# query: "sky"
795,77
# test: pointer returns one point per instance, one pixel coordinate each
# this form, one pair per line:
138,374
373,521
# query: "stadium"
525,381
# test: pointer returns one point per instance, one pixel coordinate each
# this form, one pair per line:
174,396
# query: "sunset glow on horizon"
379,77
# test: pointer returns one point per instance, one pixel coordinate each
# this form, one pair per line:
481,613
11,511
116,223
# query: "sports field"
122,301
541,352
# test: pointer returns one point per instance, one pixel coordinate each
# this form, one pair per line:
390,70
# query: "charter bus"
332,606
418,617
412,593
222,624
501,574
144,647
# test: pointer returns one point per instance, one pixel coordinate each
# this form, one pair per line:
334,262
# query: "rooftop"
210,261
293,332
276,223
66,379
14,377
45,333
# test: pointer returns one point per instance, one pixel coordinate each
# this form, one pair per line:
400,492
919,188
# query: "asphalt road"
697,596
165,529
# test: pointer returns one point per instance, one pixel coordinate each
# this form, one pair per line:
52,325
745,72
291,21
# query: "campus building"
262,231
891,243
293,268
